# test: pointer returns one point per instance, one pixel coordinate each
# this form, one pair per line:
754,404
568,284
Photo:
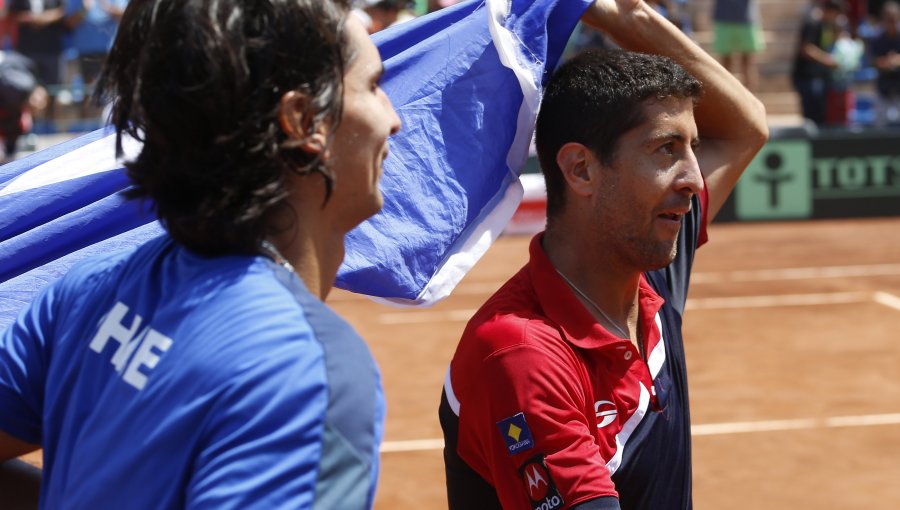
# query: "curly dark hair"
594,99
199,82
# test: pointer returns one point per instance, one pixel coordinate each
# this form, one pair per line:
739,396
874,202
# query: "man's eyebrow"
673,135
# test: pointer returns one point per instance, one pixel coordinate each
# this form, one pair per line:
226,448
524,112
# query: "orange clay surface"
793,342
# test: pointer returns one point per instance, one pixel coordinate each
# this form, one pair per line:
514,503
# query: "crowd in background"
52,51
842,43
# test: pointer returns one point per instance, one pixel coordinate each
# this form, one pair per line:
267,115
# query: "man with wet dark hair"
202,369
568,387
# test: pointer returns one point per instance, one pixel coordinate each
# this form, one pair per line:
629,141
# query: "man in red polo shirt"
568,388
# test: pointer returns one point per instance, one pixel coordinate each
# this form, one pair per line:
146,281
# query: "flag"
466,83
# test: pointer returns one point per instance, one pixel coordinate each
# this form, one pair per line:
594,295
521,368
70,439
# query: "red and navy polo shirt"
543,408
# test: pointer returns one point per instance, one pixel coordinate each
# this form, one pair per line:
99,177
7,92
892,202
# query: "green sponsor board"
777,183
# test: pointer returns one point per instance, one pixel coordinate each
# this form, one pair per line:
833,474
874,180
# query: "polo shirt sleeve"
23,367
527,431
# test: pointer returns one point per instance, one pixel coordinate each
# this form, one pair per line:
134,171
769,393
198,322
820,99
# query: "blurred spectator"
435,5
675,11
884,49
873,7
685,16
585,37
93,24
737,38
855,10
813,63
847,52
19,94
41,35
377,15
8,30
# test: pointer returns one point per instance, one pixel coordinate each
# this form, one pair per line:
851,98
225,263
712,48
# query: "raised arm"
730,120
39,20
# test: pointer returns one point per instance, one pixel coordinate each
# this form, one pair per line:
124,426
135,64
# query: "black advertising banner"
833,174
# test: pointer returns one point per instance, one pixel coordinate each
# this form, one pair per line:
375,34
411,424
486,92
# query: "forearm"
887,62
813,52
46,18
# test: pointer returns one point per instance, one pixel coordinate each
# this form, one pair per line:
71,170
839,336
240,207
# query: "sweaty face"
644,194
360,146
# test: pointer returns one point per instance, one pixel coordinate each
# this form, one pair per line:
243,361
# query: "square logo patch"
542,491
516,433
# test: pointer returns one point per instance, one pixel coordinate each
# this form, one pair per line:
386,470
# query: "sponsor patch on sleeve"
516,433
542,491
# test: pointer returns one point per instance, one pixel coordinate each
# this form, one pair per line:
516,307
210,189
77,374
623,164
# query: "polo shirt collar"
562,306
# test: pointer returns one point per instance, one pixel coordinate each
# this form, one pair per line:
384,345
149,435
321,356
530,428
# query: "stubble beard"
650,255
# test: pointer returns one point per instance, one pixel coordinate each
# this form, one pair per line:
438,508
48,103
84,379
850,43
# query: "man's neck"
597,272
314,248
316,262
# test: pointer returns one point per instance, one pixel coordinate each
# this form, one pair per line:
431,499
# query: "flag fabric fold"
466,83
467,87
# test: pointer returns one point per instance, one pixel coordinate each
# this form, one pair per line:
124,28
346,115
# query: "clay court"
793,341
793,354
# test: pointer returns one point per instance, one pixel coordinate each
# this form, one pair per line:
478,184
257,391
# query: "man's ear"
575,161
296,121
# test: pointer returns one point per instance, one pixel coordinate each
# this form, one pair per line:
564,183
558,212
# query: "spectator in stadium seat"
885,54
738,38
20,93
856,15
377,15
813,61
93,24
41,35
202,369
568,387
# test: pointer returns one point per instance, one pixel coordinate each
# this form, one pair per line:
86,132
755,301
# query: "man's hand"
603,12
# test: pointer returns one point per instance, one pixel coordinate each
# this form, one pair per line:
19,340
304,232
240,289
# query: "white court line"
723,303
416,317
830,298
797,273
412,445
889,300
711,429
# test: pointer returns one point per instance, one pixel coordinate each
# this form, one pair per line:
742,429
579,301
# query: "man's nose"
691,178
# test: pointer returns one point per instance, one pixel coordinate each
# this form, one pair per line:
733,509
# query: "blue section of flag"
516,433
466,89
449,167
